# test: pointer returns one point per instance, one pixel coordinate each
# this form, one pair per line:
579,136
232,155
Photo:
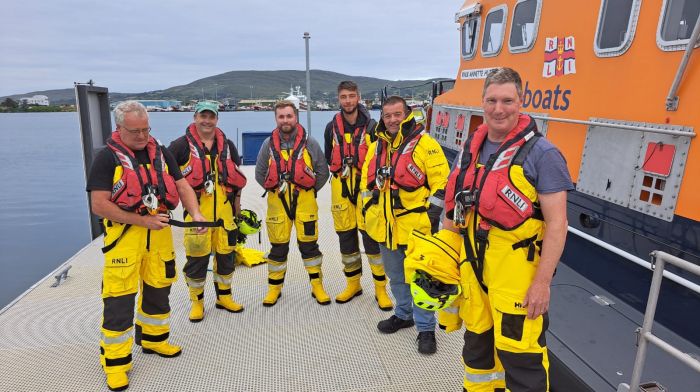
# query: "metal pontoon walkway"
49,338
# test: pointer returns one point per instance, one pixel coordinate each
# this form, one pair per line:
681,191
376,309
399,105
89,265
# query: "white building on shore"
40,100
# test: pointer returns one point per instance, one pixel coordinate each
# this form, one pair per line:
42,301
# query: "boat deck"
50,335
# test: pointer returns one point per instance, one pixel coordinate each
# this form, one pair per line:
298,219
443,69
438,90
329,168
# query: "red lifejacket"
137,181
342,152
495,197
404,172
199,167
294,169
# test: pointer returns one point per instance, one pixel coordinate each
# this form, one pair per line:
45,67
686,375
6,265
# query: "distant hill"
236,85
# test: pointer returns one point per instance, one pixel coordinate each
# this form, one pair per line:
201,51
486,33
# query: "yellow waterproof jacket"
383,222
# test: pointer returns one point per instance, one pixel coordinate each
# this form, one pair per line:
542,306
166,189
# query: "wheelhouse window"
523,30
494,29
616,25
677,23
470,33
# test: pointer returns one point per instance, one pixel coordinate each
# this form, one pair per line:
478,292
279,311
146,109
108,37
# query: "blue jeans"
393,266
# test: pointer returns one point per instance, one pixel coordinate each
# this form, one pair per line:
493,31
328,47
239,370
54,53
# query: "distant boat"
297,98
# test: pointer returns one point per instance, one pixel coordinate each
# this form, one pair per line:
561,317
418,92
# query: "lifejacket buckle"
282,187
383,174
346,171
209,186
464,200
150,201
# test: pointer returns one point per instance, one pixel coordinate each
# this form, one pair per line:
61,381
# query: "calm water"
43,203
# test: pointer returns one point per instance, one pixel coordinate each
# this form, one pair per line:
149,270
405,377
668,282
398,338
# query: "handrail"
637,260
659,259
672,98
690,134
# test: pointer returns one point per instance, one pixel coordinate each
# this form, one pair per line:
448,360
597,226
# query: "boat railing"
664,131
658,261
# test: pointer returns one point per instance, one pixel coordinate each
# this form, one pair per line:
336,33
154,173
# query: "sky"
136,46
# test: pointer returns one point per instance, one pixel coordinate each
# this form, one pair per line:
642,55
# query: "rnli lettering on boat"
546,99
514,198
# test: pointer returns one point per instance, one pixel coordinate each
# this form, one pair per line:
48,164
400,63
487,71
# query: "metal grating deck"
49,338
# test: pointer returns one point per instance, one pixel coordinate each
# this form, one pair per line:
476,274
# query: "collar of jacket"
405,128
289,143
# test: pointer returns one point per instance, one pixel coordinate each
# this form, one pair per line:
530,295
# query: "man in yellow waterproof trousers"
134,182
291,167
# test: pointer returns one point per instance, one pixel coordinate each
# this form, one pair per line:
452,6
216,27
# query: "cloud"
134,46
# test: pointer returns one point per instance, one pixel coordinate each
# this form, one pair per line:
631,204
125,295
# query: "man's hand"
155,222
537,299
199,218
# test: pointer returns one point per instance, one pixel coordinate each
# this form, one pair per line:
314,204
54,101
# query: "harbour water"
43,203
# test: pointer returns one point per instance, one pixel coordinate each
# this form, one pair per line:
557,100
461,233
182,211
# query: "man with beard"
347,138
209,162
291,167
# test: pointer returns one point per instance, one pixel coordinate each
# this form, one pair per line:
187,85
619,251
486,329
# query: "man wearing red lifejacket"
209,162
403,182
291,167
134,182
507,197
347,138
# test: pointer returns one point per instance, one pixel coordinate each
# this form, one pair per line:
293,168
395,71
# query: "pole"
307,36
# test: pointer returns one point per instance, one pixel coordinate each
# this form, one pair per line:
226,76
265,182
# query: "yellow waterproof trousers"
219,240
142,260
502,347
279,231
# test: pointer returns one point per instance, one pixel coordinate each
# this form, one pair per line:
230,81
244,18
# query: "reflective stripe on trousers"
484,377
117,339
316,261
223,279
152,320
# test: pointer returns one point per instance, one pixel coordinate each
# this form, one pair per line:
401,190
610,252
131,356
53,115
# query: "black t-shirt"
102,171
180,148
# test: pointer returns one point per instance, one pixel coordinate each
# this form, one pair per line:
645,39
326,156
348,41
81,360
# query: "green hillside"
236,85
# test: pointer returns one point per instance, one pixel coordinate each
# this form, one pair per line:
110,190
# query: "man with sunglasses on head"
403,181
209,162
134,183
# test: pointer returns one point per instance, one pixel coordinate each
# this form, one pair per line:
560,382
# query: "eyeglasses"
138,131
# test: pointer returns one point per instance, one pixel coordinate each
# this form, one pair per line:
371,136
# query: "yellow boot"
318,292
313,267
274,292
275,278
224,299
383,300
117,381
163,349
352,290
197,307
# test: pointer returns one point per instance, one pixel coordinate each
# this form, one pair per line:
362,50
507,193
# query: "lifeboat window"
470,34
523,28
494,29
677,22
616,25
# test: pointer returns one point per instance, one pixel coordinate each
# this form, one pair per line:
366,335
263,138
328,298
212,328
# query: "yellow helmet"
248,222
431,294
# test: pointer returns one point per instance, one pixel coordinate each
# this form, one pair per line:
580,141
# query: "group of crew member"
504,212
